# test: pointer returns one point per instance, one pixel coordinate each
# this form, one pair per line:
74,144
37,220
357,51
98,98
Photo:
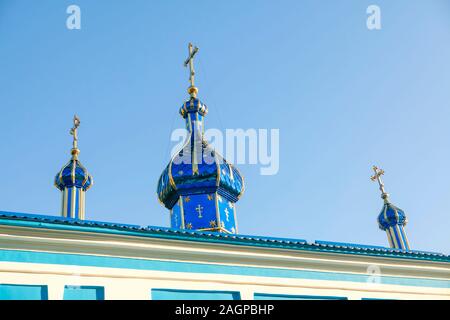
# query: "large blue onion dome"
197,168
177,179
390,216
73,174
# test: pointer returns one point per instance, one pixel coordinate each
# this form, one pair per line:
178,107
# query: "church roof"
54,222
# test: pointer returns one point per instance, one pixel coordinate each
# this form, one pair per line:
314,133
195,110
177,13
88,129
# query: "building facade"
202,255
46,257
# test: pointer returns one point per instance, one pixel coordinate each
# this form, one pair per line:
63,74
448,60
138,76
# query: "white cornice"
90,243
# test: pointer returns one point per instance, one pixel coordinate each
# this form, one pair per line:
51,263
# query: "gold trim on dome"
180,203
219,229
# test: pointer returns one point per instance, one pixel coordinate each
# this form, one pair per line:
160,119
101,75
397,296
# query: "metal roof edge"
61,223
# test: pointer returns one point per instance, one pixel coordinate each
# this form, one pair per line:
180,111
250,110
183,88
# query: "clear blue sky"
343,97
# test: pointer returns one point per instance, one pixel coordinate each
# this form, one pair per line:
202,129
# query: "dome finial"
192,90
74,132
377,177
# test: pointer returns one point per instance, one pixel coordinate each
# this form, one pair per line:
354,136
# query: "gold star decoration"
212,223
189,226
210,196
187,199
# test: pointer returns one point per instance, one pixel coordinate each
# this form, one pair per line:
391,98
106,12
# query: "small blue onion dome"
390,216
73,174
193,105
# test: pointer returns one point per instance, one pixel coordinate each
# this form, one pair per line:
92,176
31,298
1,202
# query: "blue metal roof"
54,222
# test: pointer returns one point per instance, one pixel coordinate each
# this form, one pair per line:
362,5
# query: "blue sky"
343,97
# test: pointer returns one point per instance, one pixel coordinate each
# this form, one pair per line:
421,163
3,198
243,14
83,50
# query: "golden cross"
227,214
377,177
190,61
73,131
199,209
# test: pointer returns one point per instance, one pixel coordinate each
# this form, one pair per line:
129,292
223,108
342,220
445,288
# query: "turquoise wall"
23,292
268,296
171,294
142,264
84,293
